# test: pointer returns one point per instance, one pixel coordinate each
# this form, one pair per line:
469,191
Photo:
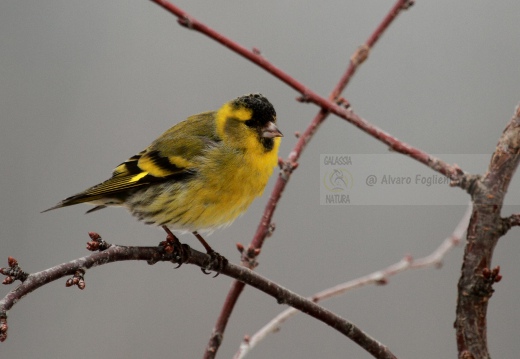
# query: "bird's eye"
251,123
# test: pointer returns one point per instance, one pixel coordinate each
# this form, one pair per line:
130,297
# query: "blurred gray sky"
85,85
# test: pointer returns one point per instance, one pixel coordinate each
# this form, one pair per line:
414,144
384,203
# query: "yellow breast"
226,183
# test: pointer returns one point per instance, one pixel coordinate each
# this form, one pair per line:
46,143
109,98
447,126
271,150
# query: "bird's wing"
175,155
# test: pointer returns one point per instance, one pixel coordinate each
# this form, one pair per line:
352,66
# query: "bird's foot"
216,263
181,252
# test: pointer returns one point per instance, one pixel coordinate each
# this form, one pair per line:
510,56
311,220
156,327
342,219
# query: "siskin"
199,175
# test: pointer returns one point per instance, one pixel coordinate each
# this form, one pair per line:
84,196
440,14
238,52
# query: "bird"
199,175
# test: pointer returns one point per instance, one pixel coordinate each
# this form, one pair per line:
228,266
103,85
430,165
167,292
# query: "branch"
475,285
379,277
511,221
116,253
451,171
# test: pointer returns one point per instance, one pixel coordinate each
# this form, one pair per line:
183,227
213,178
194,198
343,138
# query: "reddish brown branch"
225,313
363,51
453,172
155,254
475,285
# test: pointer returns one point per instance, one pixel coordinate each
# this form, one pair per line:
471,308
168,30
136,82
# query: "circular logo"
338,180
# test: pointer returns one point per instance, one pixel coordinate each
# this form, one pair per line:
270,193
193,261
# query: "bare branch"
116,253
379,277
475,286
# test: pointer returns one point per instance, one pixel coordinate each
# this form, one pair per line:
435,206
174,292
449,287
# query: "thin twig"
379,277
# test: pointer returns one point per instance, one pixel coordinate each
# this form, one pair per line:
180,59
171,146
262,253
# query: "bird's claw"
216,263
181,252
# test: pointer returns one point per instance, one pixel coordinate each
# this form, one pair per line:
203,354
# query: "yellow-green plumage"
200,174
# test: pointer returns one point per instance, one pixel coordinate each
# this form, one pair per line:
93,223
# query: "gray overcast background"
86,84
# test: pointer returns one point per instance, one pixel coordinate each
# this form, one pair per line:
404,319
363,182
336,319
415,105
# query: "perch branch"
115,253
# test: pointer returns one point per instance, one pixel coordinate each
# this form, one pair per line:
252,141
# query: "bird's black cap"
263,110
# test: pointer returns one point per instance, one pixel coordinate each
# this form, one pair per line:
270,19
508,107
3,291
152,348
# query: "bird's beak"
271,131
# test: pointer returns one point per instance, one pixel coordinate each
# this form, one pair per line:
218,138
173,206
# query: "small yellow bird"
199,175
